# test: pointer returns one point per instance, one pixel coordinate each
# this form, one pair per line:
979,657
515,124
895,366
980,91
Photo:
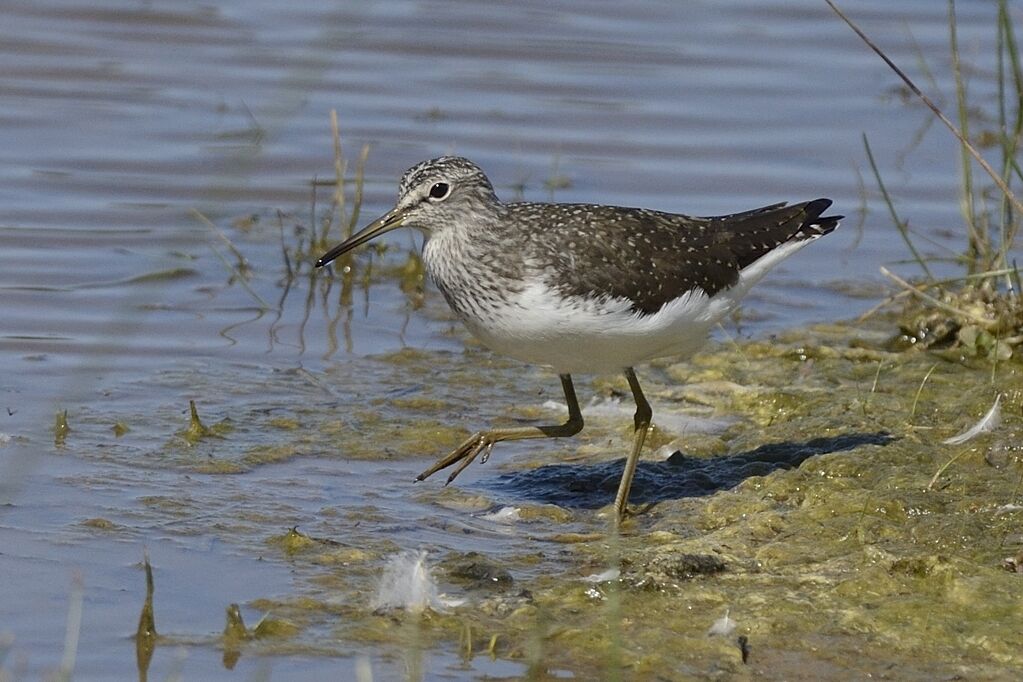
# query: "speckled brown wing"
651,258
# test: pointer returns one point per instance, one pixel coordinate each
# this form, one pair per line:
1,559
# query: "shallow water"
120,121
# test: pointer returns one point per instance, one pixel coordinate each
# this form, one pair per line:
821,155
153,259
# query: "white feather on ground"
408,584
989,422
723,626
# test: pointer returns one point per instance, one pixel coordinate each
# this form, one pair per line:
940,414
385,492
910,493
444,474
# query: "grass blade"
933,107
900,224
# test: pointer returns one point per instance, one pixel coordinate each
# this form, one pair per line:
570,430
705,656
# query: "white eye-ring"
439,191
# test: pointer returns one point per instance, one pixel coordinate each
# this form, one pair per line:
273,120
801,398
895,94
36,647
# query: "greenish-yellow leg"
642,424
483,441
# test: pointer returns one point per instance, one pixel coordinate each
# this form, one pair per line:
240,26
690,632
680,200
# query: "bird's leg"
483,441
642,425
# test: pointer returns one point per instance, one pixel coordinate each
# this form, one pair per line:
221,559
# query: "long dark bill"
385,223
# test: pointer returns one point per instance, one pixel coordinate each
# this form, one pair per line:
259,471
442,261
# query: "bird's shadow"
591,486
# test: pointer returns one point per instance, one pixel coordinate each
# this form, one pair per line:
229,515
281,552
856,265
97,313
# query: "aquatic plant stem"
933,107
937,283
943,467
284,246
360,179
978,247
223,237
920,389
340,166
241,260
877,376
934,301
1008,49
901,225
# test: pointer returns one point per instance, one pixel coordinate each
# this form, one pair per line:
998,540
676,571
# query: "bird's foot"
481,442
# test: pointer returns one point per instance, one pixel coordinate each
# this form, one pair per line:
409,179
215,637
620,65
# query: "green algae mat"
825,530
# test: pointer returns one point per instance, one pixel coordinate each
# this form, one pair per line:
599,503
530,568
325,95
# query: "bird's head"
433,196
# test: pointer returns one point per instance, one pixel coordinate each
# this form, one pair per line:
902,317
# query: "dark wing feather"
651,258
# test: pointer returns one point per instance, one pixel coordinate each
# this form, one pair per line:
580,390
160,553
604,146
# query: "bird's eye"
439,190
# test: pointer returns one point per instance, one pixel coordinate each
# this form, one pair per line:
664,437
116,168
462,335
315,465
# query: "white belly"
578,335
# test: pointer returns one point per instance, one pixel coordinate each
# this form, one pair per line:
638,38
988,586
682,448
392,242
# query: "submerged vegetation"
838,540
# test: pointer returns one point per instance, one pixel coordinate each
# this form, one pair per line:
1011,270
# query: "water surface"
122,121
